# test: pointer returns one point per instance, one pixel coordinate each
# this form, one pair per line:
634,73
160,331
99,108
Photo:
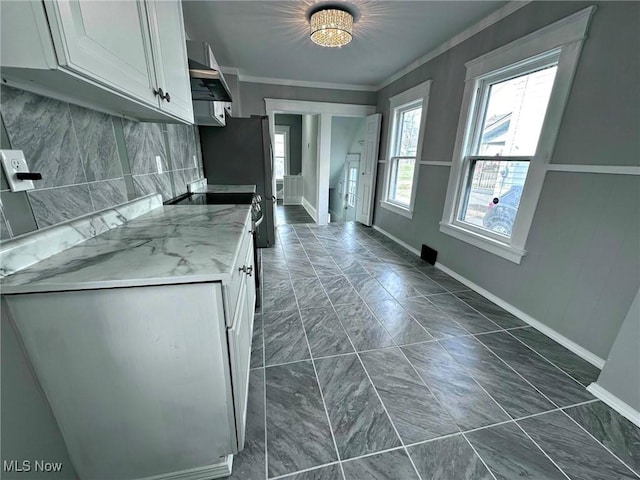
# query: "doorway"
317,117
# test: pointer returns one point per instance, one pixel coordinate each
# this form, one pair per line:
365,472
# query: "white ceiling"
271,38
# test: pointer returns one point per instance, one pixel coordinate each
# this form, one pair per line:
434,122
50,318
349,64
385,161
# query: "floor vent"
428,254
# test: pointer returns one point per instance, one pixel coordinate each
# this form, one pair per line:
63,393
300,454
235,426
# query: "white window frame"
563,38
284,130
398,104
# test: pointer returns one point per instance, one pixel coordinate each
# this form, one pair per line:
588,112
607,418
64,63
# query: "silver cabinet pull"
245,269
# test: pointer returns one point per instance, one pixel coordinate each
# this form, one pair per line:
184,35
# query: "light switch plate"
13,161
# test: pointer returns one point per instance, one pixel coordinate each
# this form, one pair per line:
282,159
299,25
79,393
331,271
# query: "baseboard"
310,210
623,408
541,327
397,240
292,201
208,472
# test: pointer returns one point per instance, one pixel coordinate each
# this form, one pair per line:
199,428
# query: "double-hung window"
406,132
281,152
512,108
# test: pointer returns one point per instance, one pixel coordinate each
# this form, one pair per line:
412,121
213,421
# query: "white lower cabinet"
122,57
145,382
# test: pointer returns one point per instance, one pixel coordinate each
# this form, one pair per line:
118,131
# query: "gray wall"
253,95
620,375
89,161
29,430
582,268
294,122
310,125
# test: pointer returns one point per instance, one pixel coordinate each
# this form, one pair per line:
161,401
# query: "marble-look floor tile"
339,290
568,361
144,142
450,458
97,142
55,205
466,316
399,323
393,465
613,430
444,280
437,323
257,345
284,338
108,193
278,296
250,462
310,293
348,264
274,271
414,410
369,288
359,422
332,472
300,268
397,286
507,388
490,310
509,454
326,268
364,330
325,332
551,381
421,282
298,434
575,452
41,127
464,399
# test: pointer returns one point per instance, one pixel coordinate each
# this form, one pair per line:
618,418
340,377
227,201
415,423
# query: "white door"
170,57
87,43
368,170
351,190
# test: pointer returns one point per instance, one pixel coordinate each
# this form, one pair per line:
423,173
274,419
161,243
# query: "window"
512,106
281,152
406,131
352,186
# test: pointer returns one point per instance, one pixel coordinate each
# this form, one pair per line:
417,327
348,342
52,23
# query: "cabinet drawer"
245,259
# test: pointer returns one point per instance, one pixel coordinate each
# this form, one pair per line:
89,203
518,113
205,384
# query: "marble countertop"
168,245
226,189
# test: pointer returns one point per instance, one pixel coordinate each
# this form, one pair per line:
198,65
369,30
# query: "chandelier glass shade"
331,27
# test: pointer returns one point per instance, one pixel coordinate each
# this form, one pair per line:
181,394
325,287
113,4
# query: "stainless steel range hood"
207,81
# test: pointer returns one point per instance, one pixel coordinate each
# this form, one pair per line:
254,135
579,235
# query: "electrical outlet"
13,161
159,163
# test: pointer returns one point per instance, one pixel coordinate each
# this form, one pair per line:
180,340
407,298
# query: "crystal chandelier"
331,27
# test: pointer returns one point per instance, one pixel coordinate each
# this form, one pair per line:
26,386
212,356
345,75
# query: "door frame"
326,111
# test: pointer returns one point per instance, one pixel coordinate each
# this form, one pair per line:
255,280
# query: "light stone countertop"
168,245
226,189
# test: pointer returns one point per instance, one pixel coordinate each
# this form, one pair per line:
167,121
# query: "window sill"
405,212
508,252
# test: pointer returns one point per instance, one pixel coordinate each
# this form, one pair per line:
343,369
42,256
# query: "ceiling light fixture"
331,27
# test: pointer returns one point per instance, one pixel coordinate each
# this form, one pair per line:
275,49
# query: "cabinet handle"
167,97
159,93
249,270
246,269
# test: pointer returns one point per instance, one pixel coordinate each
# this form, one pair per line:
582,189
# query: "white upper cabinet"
170,49
121,57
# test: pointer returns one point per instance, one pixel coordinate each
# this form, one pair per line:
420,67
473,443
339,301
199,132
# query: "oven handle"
258,222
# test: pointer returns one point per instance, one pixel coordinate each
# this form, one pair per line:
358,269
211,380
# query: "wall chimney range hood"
207,81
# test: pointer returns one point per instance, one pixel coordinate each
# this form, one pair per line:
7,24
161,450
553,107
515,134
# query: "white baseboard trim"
541,327
208,472
292,201
397,240
623,408
310,210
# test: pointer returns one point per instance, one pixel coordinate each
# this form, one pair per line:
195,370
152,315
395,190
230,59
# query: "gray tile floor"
367,363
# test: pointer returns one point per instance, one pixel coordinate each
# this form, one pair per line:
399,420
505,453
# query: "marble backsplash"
88,160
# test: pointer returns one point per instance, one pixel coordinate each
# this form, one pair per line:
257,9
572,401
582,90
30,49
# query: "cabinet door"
170,56
87,43
219,113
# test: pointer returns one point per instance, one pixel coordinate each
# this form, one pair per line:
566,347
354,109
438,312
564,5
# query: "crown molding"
486,22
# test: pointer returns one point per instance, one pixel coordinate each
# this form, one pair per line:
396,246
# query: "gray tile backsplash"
89,160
